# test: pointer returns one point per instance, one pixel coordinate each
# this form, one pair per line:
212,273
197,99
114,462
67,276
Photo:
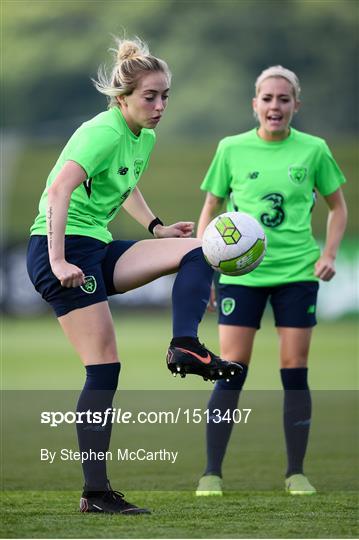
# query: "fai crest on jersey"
90,285
297,174
228,305
137,167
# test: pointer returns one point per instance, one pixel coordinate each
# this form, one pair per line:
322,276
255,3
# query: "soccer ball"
234,243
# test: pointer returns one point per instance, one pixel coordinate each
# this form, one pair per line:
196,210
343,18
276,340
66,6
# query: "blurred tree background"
215,49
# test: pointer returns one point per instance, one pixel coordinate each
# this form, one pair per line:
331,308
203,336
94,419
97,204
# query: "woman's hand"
68,274
325,267
182,229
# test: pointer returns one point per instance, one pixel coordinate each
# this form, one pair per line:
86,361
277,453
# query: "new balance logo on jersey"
253,175
122,170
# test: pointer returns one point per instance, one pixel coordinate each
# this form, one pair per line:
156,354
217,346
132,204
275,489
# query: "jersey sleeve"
93,148
329,177
218,178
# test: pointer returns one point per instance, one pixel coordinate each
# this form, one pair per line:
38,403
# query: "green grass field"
35,356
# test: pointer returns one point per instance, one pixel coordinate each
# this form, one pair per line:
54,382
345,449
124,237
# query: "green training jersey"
275,182
113,159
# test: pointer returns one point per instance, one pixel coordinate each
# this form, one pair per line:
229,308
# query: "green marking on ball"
244,260
228,230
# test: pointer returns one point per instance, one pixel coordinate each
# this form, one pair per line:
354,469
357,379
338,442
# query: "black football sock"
185,341
97,395
297,416
190,293
225,398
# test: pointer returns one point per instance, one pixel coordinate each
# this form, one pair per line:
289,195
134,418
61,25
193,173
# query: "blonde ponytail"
132,59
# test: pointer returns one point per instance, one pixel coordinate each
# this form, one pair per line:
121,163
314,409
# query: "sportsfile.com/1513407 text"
120,416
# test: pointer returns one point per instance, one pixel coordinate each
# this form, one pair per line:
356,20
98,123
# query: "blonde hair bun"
132,60
129,50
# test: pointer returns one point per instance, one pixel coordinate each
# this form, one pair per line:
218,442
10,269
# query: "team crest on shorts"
297,174
137,167
90,285
228,305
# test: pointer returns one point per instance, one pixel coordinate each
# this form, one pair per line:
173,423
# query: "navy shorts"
293,304
96,259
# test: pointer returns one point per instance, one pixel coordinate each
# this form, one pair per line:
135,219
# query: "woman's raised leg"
150,259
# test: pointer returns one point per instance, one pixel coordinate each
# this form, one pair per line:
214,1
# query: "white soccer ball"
234,243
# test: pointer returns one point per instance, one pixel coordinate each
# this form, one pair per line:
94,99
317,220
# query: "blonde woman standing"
273,172
75,264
